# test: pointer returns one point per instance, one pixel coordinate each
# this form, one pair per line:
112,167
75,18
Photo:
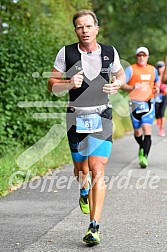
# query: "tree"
31,34
128,24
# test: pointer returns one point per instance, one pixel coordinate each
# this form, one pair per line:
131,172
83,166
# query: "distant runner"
143,85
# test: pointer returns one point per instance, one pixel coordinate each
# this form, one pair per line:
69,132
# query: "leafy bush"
19,59
32,34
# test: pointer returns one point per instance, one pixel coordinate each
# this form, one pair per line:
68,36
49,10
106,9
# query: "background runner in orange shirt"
143,84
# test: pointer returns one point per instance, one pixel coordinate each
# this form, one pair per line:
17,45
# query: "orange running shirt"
142,78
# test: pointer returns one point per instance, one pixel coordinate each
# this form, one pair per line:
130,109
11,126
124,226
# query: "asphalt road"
44,215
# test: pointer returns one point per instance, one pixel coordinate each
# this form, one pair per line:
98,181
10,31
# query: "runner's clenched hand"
111,88
76,80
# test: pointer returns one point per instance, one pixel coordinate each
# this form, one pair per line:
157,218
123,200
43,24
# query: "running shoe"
144,162
161,132
84,201
140,154
92,235
84,204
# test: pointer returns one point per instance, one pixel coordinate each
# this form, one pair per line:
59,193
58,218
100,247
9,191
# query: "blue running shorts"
143,118
83,145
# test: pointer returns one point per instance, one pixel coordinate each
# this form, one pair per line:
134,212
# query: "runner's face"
142,59
86,30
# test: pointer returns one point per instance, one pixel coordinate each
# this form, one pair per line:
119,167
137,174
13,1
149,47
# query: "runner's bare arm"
57,84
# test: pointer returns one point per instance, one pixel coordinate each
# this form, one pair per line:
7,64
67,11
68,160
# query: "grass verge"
12,176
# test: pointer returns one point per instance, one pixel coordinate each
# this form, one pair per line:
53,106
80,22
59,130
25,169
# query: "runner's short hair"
84,12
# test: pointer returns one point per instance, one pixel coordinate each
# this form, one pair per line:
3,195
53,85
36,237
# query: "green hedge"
19,59
31,35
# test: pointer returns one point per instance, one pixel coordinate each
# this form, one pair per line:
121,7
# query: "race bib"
88,123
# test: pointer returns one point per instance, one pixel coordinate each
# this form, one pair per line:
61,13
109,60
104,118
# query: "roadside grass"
12,176
122,125
166,113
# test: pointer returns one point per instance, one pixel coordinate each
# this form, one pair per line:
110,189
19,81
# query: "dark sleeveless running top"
90,93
